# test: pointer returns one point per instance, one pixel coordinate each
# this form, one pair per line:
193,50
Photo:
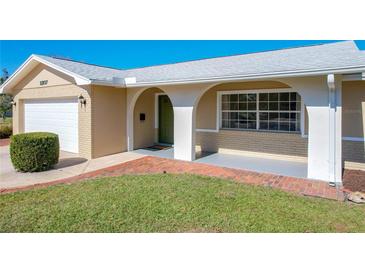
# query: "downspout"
332,128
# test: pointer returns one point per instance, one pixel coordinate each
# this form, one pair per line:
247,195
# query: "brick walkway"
152,165
4,142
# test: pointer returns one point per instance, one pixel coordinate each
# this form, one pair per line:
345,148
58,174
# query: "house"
304,103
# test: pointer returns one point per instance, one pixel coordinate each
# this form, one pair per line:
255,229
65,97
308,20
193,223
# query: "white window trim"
258,91
353,139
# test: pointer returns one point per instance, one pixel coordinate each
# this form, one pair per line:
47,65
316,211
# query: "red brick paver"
153,165
4,142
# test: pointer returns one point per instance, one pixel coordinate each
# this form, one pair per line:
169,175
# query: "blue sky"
131,54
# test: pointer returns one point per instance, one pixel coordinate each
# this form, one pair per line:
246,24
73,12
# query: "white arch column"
322,97
184,98
132,96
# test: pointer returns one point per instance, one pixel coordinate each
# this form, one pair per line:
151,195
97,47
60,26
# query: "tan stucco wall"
40,73
353,123
59,86
206,113
144,131
353,109
108,120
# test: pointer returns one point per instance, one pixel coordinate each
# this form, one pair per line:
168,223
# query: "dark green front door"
165,120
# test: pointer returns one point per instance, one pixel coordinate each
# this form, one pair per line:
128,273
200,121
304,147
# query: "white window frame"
257,92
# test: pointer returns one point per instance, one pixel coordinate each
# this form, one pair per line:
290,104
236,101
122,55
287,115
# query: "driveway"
69,165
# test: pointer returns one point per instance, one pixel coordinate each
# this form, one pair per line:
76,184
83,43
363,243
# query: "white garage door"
59,116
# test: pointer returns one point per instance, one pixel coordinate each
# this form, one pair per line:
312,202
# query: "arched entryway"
153,119
266,117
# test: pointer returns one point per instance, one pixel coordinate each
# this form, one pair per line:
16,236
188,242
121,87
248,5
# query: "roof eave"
358,69
79,80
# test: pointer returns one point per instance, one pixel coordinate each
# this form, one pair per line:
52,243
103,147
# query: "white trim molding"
157,108
258,91
353,139
206,130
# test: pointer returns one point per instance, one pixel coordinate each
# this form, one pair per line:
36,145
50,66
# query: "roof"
294,61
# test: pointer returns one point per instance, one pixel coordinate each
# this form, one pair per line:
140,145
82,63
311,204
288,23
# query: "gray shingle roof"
327,56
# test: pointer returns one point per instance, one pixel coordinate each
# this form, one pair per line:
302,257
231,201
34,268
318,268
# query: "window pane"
225,98
234,98
284,106
243,124
251,106
273,116
299,105
243,106
263,106
264,97
233,116
284,116
292,127
234,124
225,106
293,96
284,96
243,116
233,106
251,97
225,124
243,97
293,116
225,115
251,125
284,126
293,106
273,125
273,96
264,125
264,116
251,115
273,106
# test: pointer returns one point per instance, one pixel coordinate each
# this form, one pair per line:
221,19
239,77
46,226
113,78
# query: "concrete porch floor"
273,166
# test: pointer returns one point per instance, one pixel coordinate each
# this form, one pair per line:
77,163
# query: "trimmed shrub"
35,151
5,131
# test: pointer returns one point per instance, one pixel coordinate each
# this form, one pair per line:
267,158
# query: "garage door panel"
59,116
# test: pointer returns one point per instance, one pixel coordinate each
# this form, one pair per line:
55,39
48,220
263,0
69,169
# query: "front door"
165,120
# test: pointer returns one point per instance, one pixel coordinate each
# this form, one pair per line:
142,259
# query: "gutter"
303,73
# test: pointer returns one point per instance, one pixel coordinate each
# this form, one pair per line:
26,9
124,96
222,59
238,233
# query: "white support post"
130,129
184,133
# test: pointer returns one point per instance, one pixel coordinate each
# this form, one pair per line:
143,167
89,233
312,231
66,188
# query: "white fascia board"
107,83
253,76
80,80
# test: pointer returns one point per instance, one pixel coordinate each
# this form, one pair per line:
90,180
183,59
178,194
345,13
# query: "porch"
291,168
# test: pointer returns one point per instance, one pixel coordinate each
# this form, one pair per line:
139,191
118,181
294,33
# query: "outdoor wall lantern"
82,100
13,103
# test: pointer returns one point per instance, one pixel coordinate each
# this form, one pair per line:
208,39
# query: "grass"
172,203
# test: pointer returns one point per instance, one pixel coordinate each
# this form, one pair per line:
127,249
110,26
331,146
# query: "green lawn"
172,203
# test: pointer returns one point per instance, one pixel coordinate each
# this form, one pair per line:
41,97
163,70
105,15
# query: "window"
279,111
